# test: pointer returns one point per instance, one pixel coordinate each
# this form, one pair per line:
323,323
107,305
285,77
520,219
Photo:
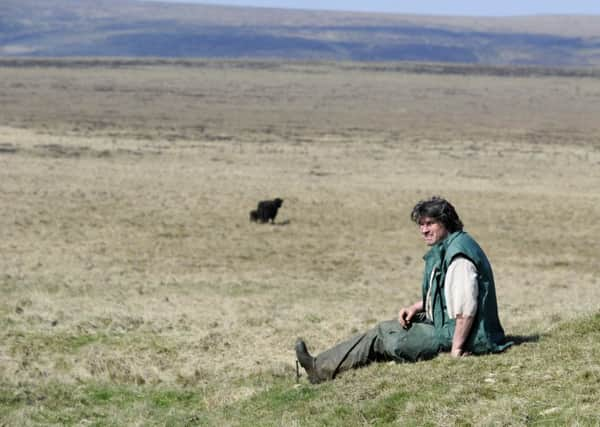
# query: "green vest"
486,334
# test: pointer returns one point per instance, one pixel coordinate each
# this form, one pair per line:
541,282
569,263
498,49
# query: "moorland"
136,292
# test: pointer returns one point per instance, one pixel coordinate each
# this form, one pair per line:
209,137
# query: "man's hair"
440,210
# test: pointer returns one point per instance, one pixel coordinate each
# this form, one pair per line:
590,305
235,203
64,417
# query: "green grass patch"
547,381
36,342
385,410
588,326
60,343
100,404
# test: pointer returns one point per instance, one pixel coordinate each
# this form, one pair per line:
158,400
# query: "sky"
429,7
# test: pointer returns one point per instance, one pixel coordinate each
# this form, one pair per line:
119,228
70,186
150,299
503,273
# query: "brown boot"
307,361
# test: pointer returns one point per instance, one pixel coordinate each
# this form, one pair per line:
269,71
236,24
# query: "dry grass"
126,252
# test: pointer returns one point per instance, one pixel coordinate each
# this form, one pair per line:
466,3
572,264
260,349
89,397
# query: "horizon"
426,7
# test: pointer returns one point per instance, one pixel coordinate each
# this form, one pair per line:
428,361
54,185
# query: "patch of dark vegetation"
416,52
74,152
222,44
412,67
219,138
7,148
475,69
57,150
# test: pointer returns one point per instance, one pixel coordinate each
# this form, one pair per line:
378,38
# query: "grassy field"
136,292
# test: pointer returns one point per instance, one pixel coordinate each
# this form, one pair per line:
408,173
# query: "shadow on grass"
522,339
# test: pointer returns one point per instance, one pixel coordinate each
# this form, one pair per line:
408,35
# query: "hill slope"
148,29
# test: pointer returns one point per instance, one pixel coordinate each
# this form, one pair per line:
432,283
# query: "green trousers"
385,342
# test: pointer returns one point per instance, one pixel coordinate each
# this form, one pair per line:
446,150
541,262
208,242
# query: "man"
458,312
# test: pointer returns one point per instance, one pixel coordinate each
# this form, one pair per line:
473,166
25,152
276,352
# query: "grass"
550,381
134,290
103,404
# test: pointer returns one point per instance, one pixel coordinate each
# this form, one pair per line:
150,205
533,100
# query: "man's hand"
404,317
458,352
407,313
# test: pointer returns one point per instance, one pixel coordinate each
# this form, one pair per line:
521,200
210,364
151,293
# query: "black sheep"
266,211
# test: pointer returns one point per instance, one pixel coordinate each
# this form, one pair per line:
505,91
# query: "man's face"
432,231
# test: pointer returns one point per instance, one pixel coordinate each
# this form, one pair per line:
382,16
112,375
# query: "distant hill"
130,28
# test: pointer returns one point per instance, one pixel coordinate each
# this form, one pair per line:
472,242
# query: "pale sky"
429,7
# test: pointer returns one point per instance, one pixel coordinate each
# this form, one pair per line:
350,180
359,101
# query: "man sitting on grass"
458,312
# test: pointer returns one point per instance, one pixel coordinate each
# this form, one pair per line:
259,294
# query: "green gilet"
486,334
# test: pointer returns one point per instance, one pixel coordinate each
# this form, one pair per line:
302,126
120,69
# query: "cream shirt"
460,289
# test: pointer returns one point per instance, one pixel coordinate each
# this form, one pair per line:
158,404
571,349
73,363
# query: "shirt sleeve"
460,288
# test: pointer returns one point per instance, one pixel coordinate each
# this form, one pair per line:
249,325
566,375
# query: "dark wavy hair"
440,210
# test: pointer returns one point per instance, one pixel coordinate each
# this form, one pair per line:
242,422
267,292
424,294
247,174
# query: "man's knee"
419,342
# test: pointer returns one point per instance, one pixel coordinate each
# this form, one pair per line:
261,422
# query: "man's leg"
387,341
419,342
353,353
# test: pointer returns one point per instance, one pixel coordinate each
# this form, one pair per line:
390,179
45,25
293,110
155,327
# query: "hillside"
64,28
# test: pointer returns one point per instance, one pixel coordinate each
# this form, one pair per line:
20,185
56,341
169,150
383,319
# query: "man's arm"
461,289
461,333
407,313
